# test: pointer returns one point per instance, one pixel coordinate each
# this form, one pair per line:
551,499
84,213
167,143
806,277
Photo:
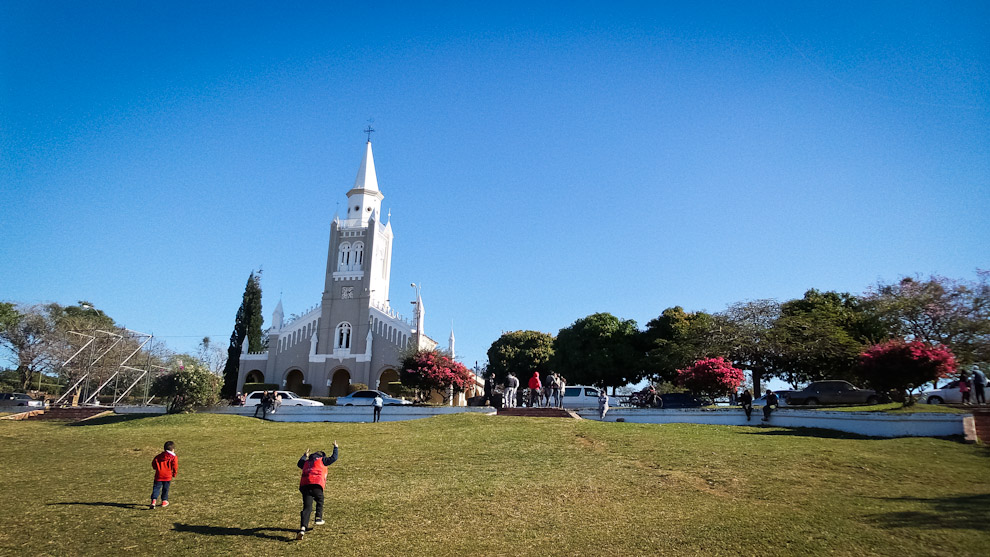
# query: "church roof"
366,177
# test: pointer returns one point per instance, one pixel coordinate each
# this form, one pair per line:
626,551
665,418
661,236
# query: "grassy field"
482,485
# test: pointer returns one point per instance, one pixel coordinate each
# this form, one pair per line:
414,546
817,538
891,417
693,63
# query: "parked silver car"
365,398
19,399
832,392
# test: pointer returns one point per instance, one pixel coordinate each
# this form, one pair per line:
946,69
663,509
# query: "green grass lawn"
483,485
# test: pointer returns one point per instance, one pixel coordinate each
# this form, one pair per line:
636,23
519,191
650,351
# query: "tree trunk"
757,377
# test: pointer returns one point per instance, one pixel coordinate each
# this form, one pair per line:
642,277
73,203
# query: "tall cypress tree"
247,324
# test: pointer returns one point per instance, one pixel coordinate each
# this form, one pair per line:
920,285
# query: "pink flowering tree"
712,377
903,366
432,370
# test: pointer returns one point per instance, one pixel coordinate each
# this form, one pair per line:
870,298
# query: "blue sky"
541,162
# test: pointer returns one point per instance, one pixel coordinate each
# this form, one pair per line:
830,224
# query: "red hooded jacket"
534,381
166,466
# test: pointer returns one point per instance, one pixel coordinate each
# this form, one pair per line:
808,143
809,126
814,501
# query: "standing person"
602,404
563,386
770,406
964,388
377,405
746,401
535,386
311,485
512,385
979,384
548,390
555,389
166,466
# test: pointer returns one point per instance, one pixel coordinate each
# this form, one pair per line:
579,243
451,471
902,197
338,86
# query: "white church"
352,335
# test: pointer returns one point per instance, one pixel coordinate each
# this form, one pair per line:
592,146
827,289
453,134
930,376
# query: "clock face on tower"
346,292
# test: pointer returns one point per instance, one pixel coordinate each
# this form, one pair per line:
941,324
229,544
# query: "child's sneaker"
164,504
319,521
302,532
153,501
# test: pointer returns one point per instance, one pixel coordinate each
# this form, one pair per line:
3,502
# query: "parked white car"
581,396
20,399
365,398
289,398
946,393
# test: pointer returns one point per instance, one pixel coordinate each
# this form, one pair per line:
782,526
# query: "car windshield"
288,394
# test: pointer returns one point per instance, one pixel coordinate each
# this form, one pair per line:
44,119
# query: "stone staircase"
538,412
69,413
981,419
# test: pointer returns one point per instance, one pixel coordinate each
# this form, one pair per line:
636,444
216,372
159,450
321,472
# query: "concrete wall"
874,424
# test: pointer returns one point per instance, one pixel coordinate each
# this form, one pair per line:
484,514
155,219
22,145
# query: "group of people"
547,394
312,482
746,401
973,386
271,401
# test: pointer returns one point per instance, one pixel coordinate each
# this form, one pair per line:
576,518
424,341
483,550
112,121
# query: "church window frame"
342,336
357,252
343,256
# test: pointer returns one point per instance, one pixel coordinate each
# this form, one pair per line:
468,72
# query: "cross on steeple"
369,130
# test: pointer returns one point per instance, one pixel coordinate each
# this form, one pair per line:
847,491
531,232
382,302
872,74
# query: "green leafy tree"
188,384
677,338
247,324
522,353
750,343
599,349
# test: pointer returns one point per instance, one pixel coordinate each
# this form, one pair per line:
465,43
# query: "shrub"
433,370
903,366
304,390
355,387
187,386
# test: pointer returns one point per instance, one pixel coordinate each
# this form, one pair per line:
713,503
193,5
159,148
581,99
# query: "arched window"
343,256
343,336
357,254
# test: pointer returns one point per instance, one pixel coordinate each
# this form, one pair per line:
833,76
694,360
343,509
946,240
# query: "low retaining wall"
873,424
328,413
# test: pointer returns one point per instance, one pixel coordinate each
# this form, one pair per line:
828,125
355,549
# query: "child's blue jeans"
163,488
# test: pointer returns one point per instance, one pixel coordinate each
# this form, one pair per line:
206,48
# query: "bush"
251,387
187,386
305,390
355,387
713,377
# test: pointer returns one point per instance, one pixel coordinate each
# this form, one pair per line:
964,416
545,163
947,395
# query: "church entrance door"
294,381
338,385
388,376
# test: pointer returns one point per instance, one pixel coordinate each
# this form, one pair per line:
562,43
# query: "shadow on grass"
231,531
963,512
806,432
104,504
113,419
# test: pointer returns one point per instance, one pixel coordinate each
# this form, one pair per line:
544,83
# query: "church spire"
367,179
364,200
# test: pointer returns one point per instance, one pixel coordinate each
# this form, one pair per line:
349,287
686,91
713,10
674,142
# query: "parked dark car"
683,400
832,392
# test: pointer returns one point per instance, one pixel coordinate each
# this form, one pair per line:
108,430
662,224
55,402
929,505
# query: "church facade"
352,335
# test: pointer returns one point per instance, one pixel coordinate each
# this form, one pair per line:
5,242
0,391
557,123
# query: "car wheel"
872,400
935,400
811,402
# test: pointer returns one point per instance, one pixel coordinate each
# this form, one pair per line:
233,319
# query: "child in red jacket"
166,466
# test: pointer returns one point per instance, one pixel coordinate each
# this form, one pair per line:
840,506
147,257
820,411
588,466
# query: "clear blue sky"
541,162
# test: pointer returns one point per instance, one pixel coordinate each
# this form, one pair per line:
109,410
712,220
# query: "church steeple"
364,200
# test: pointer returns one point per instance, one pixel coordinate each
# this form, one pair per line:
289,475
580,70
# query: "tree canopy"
522,353
433,370
599,349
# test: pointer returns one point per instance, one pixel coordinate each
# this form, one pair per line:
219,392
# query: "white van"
581,396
